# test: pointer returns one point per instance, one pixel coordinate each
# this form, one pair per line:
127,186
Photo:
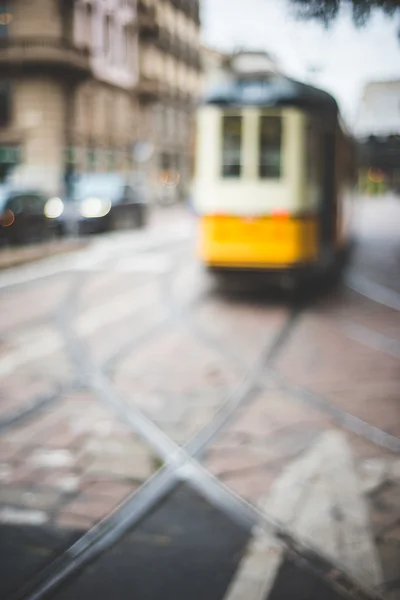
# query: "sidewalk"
18,255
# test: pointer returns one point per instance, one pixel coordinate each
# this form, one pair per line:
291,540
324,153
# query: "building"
214,63
168,89
85,82
378,131
69,70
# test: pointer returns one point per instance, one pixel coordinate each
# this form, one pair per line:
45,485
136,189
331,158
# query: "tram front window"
270,147
232,146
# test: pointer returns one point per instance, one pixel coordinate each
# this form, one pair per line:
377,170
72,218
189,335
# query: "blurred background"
150,406
111,87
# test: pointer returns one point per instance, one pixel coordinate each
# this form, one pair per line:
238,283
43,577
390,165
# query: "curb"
13,257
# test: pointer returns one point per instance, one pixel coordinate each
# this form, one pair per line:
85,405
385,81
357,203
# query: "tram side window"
270,147
231,146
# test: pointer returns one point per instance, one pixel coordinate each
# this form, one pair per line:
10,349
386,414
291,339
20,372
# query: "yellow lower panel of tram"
269,242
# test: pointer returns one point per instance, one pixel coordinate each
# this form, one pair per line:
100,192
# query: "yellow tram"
274,173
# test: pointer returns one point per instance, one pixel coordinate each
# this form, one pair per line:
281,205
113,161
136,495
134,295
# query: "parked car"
23,216
102,202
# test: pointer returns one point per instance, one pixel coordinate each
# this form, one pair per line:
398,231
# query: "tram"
274,173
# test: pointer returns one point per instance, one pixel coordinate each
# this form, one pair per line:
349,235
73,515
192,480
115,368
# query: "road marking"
121,306
258,569
373,339
39,343
99,250
343,419
139,263
147,263
19,516
32,347
374,291
318,500
316,524
39,270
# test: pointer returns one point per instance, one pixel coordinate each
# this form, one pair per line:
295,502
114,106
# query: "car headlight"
54,208
94,208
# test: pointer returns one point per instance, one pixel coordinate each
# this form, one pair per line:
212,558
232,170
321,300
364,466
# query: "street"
124,362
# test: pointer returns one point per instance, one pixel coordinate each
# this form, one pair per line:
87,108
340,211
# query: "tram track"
340,417
371,338
68,304
180,463
244,391
36,407
101,385
39,404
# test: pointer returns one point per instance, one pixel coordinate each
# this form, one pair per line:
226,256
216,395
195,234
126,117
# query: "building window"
183,126
108,25
165,161
111,160
270,147
171,122
88,25
5,103
88,112
5,18
125,45
159,120
231,146
91,159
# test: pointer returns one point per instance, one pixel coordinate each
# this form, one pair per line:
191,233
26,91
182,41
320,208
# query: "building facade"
83,83
68,73
168,89
378,131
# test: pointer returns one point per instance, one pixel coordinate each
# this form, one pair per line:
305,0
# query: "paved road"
125,363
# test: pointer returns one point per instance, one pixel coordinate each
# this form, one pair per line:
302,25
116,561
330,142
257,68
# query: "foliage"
327,10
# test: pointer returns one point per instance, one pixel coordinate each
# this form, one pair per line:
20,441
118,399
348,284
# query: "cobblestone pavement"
112,356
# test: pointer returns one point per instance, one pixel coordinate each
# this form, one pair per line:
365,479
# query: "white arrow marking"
318,499
257,571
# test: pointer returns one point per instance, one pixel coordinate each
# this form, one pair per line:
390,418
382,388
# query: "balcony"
179,49
164,40
147,23
41,54
149,88
190,8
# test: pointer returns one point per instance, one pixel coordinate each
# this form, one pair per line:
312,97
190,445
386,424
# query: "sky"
346,57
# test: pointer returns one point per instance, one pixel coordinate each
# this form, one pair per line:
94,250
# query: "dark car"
24,218
103,202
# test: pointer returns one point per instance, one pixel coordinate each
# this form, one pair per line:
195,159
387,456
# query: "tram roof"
269,91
